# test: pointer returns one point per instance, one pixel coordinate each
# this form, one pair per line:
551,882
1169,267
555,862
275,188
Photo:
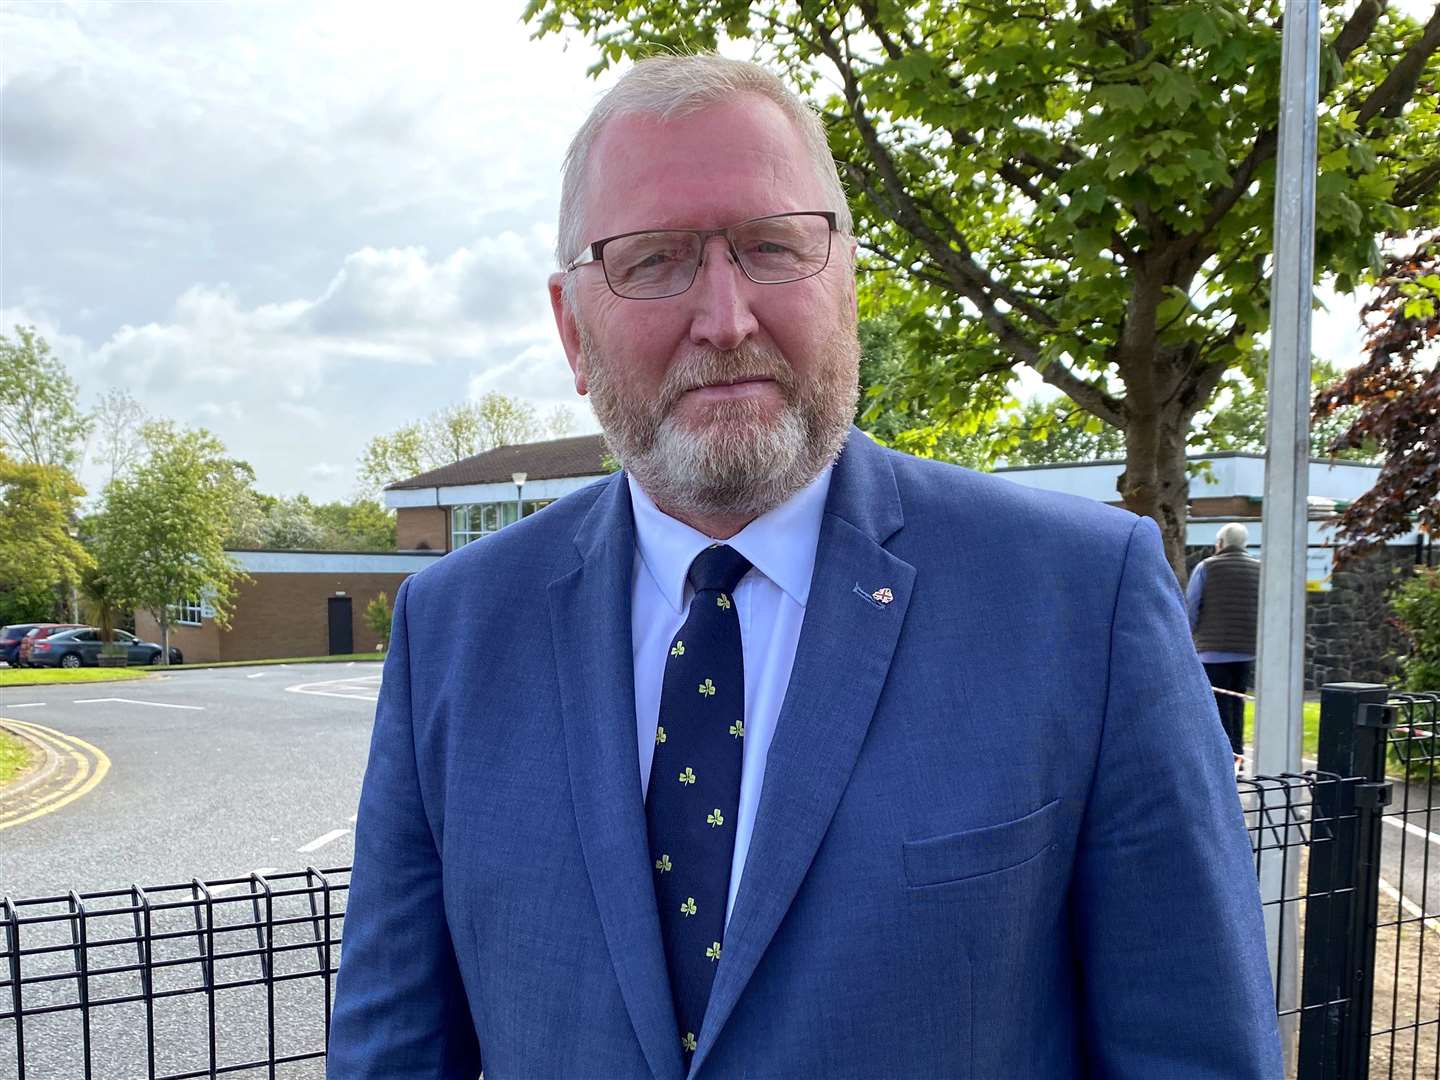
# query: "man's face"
730,397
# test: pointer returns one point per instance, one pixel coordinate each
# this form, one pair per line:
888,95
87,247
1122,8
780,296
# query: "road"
212,774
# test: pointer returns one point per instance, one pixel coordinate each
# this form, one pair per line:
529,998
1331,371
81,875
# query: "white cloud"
299,225
394,334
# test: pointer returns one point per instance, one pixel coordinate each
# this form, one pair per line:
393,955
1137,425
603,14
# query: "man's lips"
739,389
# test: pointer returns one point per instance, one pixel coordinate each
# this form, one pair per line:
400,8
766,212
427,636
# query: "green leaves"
1083,189
37,506
40,420
160,533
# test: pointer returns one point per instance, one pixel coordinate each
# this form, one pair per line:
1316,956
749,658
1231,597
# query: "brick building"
446,508
294,603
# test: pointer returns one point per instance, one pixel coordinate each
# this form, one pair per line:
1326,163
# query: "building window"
480,519
188,612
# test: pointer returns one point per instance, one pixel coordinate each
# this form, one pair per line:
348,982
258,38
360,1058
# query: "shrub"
378,614
1416,604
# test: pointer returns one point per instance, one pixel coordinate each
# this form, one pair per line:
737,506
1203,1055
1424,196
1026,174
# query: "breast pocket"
939,860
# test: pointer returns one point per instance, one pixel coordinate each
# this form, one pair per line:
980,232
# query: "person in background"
1224,603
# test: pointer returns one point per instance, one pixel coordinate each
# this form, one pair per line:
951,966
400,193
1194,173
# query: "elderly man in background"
1223,600
780,754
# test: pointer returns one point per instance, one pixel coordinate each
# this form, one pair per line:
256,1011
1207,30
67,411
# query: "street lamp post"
519,478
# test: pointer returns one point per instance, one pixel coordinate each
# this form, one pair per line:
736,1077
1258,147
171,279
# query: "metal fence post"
1343,889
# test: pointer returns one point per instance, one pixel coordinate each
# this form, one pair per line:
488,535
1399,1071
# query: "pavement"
210,774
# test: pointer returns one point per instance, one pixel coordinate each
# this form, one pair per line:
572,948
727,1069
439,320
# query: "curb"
49,762
72,768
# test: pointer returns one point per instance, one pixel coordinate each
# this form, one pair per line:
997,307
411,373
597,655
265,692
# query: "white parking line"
134,701
357,688
257,675
321,841
1410,906
1413,830
217,890
27,705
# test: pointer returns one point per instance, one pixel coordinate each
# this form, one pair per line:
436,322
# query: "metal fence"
1393,963
202,979
235,977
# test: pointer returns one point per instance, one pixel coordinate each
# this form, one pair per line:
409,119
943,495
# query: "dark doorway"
342,638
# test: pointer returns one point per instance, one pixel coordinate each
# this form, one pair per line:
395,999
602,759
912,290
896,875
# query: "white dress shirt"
770,601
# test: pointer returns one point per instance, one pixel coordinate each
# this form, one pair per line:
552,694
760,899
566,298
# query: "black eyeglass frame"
595,252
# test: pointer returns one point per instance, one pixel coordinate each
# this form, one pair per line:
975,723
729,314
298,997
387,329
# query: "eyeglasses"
657,263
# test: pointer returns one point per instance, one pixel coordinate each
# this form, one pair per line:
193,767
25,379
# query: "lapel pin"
882,596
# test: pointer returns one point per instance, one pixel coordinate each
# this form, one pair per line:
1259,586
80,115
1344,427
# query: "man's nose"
720,295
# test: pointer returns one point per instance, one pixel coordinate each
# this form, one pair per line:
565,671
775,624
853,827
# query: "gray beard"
737,461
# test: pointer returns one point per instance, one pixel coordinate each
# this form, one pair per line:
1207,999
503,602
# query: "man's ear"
568,327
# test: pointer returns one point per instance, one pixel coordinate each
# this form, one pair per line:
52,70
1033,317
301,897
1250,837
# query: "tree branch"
1357,28
1398,87
1093,400
1410,187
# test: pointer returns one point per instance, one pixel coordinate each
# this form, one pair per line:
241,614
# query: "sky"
298,224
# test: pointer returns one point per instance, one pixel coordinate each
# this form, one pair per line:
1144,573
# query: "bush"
378,614
1416,604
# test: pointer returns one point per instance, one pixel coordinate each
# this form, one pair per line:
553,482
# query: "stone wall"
1348,633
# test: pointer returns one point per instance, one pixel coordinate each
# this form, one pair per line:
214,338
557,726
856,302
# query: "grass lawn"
1311,722
44,676
14,757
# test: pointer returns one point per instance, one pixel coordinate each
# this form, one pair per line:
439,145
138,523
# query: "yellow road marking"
86,777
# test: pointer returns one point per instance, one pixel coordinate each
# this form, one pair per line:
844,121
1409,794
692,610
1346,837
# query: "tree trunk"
1155,483
165,639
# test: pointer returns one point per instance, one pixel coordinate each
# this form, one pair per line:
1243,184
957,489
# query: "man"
1223,601
780,754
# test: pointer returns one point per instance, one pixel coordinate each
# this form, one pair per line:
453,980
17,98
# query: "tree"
117,421
454,433
397,456
38,554
362,525
161,529
1395,394
1056,430
1085,189
39,418
1237,418
907,423
294,523
1039,432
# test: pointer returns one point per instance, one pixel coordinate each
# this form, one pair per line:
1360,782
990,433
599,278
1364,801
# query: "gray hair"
676,86
1234,536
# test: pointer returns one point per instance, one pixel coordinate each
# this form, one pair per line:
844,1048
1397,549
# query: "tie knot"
718,568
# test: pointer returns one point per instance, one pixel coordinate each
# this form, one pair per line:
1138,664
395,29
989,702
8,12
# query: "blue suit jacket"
998,836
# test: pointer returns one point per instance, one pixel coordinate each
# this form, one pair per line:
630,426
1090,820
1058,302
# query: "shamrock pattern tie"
694,793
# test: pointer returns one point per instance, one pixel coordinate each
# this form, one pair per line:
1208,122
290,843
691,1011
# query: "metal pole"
1279,681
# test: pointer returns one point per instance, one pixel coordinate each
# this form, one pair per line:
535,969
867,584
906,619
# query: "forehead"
727,162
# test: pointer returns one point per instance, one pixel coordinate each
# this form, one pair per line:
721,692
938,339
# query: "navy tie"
694,793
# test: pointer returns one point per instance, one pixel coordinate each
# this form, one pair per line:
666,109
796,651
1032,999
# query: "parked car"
80,647
37,632
10,638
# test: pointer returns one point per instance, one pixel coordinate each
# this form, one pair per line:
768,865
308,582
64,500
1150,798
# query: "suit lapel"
590,622
824,719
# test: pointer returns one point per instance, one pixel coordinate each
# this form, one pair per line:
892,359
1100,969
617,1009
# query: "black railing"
202,979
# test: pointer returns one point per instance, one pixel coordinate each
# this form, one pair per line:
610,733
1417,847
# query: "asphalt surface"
213,774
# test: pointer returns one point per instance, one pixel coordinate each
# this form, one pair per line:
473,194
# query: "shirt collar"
780,543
